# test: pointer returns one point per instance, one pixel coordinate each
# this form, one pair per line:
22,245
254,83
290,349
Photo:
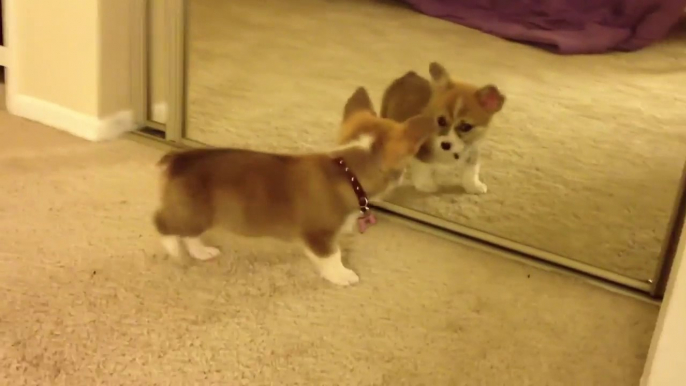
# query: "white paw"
172,245
203,252
340,275
476,187
426,186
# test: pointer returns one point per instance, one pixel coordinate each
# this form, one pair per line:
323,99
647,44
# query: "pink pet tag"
365,221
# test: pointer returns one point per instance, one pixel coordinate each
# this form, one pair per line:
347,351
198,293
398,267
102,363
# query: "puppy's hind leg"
170,242
182,227
199,250
321,248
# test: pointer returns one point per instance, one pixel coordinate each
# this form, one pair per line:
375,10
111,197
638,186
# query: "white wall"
54,48
666,364
69,64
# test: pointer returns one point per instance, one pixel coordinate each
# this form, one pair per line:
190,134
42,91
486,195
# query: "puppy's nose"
446,145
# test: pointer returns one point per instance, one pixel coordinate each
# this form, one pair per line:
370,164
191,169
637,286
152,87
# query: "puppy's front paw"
475,187
203,252
340,275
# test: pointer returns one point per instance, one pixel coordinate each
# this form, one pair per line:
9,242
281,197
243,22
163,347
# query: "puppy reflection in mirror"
309,199
462,113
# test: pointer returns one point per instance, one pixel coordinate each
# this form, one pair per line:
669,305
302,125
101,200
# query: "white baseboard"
78,124
159,112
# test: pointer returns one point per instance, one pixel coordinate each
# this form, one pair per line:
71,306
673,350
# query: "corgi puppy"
461,111
306,198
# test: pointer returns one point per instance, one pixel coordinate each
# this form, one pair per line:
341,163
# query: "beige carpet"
584,161
89,299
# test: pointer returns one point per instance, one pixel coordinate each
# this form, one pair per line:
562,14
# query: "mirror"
583,160
158,74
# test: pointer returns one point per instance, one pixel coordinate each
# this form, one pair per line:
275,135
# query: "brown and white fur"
461,110
304,198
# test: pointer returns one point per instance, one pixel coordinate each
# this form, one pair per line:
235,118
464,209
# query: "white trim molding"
666,362
78,124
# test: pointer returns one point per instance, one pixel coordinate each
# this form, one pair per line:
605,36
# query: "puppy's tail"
388,93
395,97
178,162
167,159
171,163
389,96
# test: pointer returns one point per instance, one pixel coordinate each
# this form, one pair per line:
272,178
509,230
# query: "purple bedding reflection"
564,26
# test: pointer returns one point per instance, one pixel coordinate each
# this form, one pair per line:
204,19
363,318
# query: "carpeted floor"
583,162
89,299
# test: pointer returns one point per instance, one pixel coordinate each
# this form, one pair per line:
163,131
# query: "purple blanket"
564,26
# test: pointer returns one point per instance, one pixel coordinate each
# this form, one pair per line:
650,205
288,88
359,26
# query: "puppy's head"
461,110
391,143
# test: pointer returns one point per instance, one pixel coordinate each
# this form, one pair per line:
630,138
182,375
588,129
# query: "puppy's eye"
465,127
442,122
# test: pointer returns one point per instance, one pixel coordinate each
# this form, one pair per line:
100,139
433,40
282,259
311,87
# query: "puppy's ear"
490,98
439,74
358,102
418,130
